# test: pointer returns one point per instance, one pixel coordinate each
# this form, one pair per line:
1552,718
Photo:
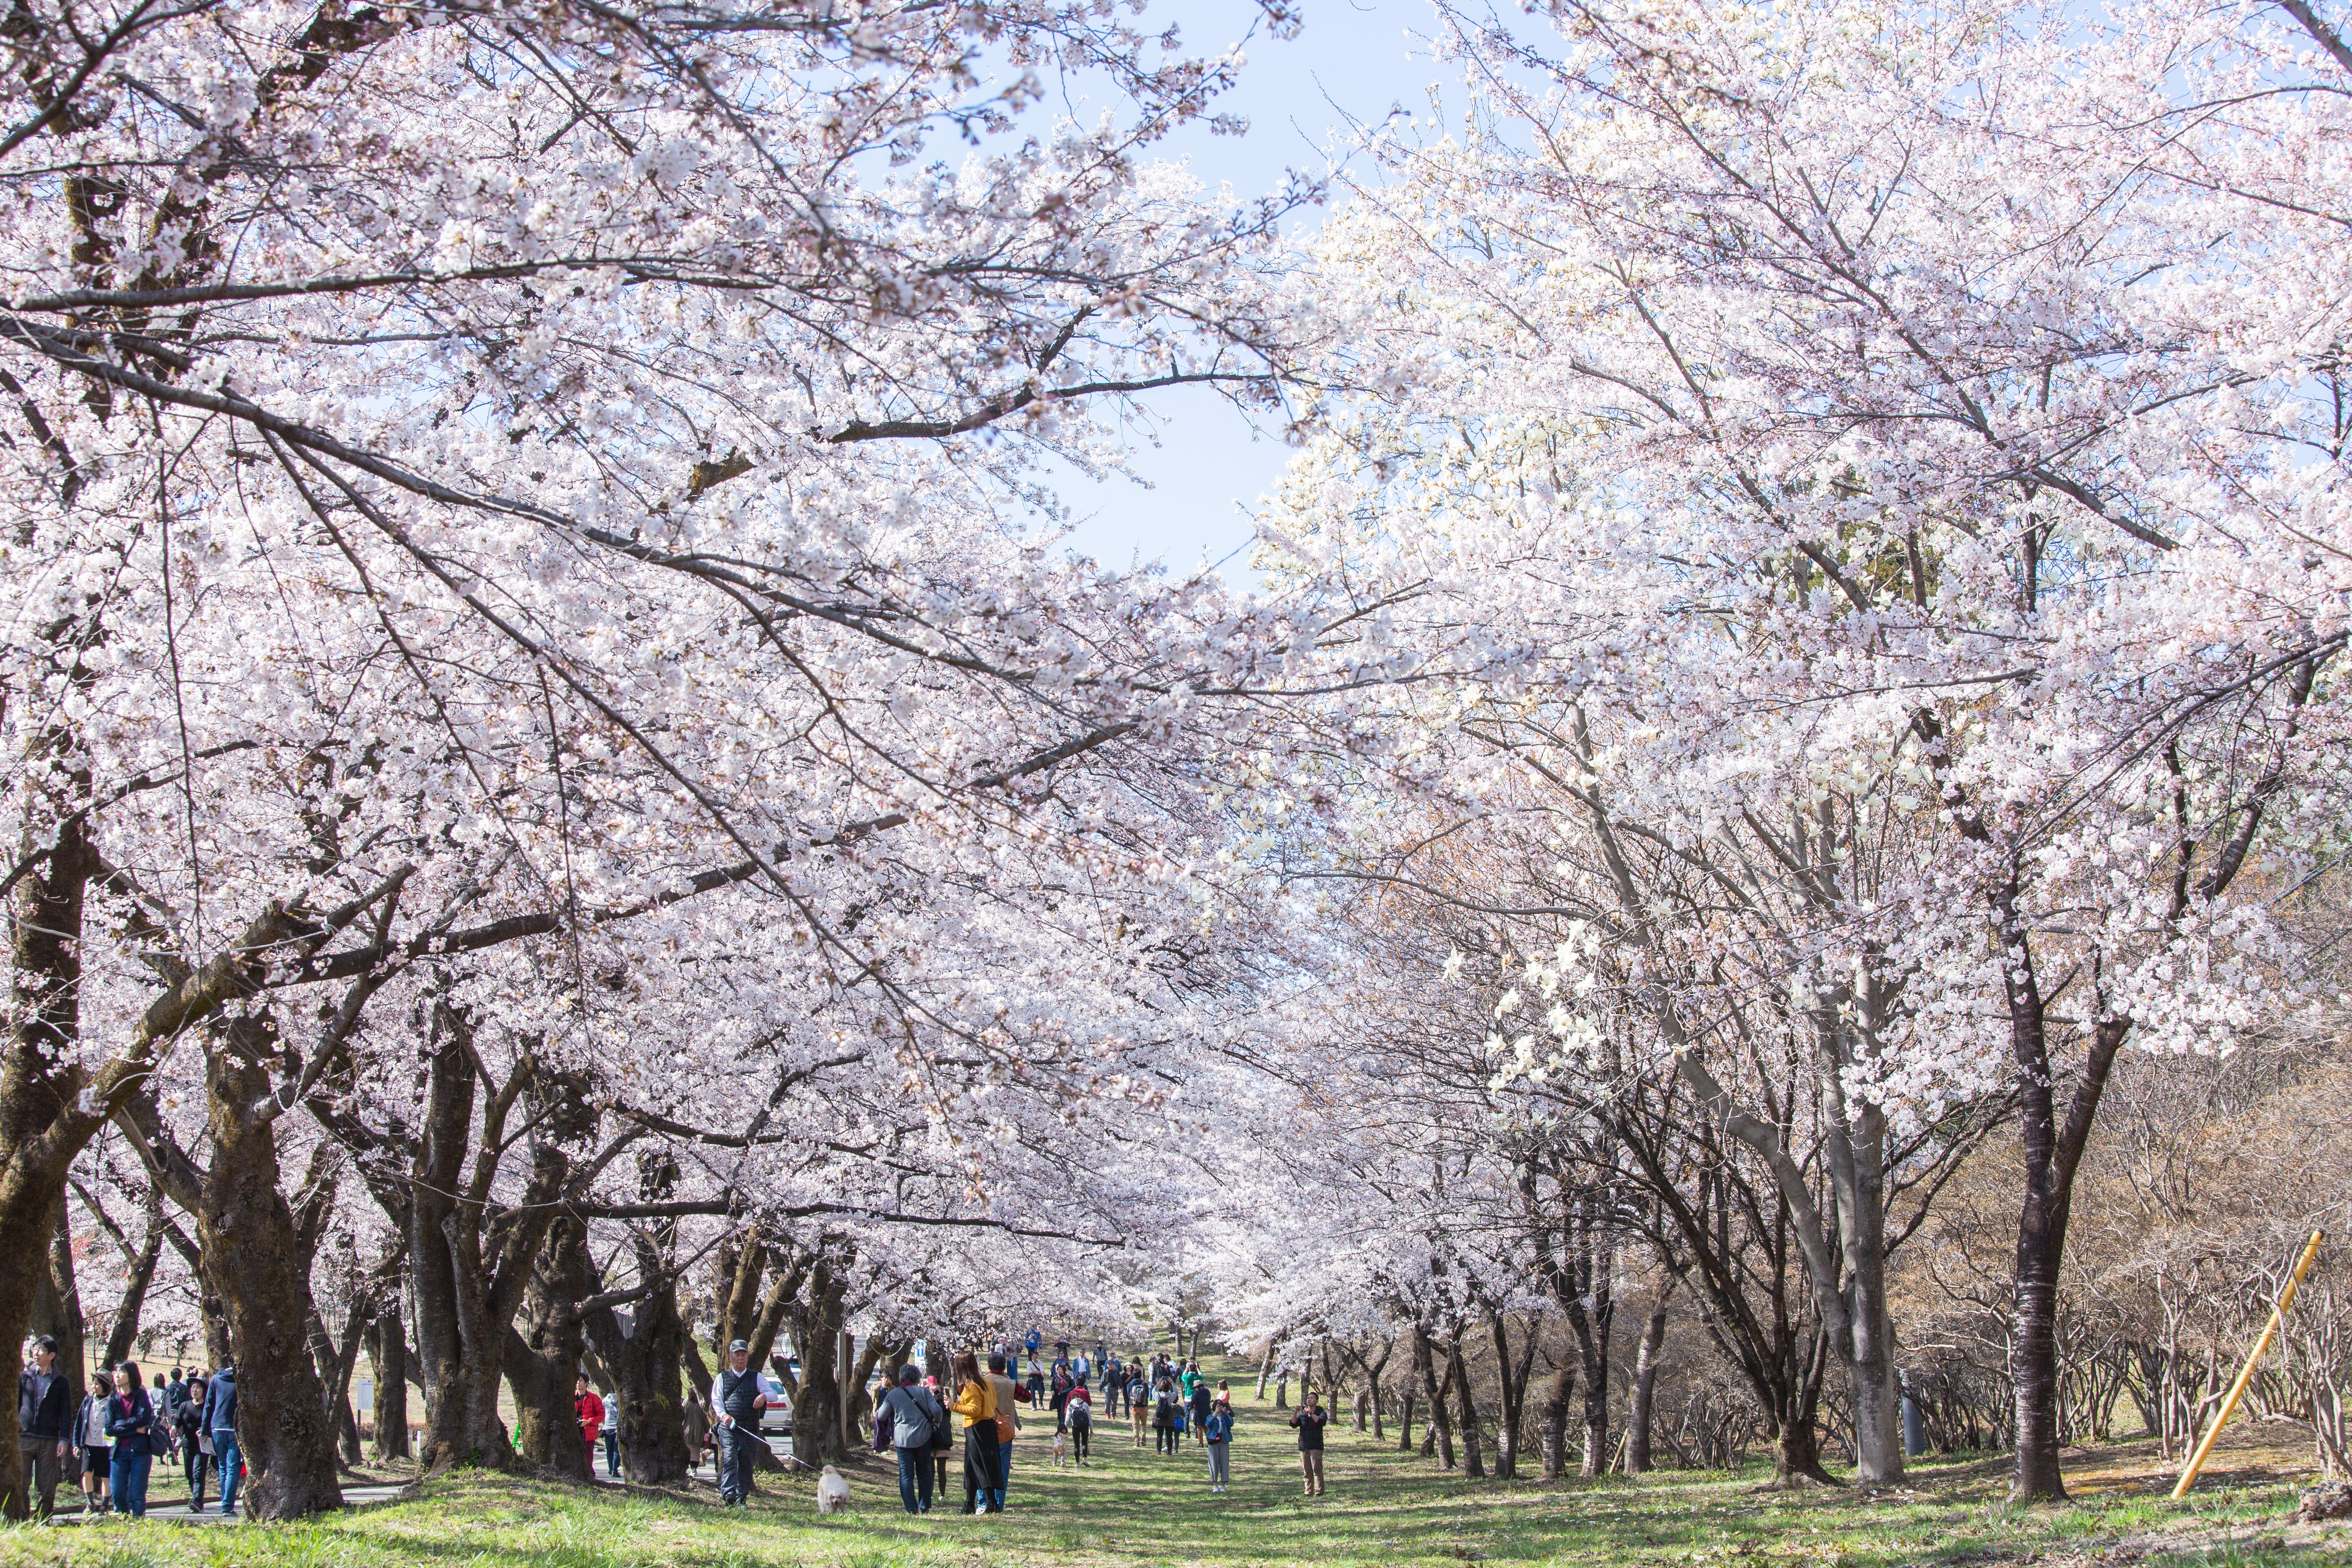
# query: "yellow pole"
2246,1372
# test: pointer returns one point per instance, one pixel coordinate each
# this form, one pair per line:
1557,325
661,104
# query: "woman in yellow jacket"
975,1401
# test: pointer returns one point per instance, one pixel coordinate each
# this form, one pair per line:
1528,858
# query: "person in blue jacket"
220,1420
1218,1429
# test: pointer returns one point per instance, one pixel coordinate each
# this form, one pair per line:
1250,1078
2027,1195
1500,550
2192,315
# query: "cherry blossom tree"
1880,468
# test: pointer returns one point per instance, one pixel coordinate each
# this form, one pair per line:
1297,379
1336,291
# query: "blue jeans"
229,1463
127,1475
1003,1471
735,1460
915,1478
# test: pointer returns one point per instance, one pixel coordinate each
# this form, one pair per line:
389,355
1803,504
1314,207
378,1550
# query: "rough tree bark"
816,1330
387,1348
281,1415
543,1353
646,1361
472,1259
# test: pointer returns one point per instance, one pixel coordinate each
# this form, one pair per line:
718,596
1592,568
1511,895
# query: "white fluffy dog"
831,1491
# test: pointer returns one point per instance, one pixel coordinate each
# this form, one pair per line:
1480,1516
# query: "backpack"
1080,1414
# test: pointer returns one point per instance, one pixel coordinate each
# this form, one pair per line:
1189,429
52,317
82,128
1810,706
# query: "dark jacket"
220,1401
131,1421
1311,1427
41,1404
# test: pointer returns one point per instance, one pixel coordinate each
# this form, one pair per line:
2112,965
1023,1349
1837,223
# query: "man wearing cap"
735,1401
41,1421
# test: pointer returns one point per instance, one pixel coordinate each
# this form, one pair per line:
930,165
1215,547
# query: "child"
96,1446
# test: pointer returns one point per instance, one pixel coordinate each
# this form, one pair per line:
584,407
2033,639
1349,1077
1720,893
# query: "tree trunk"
58,1310
542,1361
387,1347
857,1413
1440,1435
816,1330
1596,1412
1645,1383
2034,1350
1474,1464
1265,1369
39,1085
1797,1459
471,1270
697,1410
125,1332
1512,1392
1404,1422
281,1414
845,1361
1551,1419
646,1366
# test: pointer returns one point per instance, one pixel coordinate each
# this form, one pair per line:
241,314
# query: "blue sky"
1352,58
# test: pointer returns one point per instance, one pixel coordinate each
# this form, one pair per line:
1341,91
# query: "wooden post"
2246,1372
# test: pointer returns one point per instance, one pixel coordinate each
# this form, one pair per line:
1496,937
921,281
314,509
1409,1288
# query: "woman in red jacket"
590,1410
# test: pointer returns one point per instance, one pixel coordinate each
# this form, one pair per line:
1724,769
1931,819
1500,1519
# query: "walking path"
361,1494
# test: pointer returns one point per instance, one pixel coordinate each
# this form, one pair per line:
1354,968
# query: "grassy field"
1134,1510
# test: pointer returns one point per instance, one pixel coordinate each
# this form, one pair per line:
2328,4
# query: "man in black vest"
735,1402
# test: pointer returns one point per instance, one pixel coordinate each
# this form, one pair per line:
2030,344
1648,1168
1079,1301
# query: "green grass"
1135,1510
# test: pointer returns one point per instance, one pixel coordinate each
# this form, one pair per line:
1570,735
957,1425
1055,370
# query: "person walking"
1217,1431
42,1419
1114,1384
1036,1380
220,1420
1200,1402
915,1415
171,1397
589,1406
97,1447
1138,1402
165,1439
975,1401
1078,1421
195,1443
1164,1406
1008,1420
1310,1420
130,1422
939,1454
735,1401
